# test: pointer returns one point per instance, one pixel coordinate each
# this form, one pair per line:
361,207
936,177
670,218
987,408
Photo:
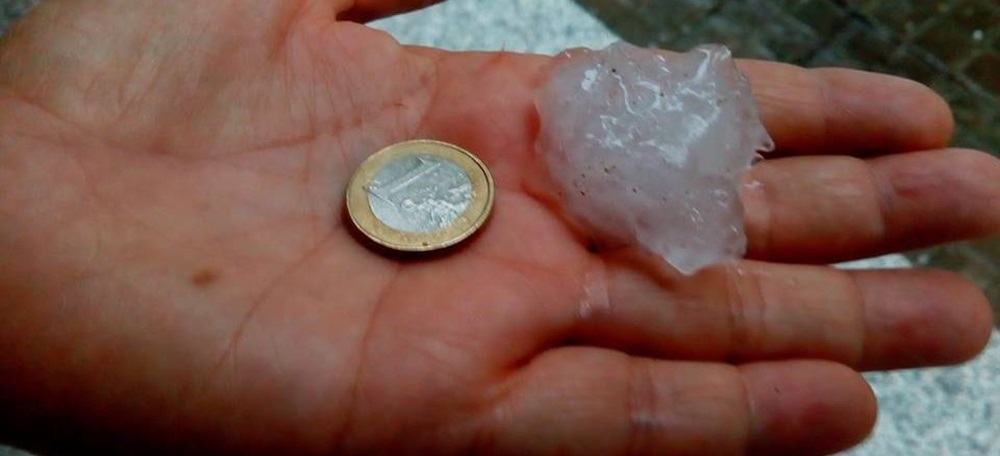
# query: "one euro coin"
420,196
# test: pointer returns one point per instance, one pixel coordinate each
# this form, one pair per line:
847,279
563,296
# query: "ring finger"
755,311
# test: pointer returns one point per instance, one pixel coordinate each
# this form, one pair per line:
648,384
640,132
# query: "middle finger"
828,209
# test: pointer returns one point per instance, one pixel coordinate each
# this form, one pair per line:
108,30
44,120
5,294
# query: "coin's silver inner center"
419,193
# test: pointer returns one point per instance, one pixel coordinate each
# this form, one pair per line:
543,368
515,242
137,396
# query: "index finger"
834,110
806,111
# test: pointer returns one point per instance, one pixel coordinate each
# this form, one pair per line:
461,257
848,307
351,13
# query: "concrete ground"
944,411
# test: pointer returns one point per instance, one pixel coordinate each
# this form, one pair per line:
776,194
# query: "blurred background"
950,45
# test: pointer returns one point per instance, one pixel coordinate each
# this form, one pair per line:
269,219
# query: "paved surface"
923,412
10,10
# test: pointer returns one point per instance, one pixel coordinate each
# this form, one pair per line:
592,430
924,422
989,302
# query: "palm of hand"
173,197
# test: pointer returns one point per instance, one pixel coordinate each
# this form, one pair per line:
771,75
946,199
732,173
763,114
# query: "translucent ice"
647,148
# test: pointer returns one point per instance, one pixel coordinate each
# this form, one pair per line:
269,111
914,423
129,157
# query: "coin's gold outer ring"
475,215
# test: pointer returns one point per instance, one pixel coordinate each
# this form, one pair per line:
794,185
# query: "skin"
176,275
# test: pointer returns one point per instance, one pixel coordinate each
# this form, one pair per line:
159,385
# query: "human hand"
176,274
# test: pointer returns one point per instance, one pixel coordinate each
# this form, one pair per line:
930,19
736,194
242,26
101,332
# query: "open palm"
176,273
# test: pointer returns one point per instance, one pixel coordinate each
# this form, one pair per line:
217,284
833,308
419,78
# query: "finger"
788,411
759,311
843,111
847,111
913,316
492,96
830,209
370,10
587,401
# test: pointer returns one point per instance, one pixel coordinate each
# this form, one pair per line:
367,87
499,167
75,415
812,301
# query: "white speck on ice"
589,78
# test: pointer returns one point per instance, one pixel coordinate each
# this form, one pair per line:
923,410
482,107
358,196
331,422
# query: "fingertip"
931,121
913,116
964,184
939,114
807,407
969,319
926,318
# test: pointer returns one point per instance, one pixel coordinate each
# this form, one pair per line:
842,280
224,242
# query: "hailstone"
647,148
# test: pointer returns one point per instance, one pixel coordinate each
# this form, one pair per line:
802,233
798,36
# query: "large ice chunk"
647,148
